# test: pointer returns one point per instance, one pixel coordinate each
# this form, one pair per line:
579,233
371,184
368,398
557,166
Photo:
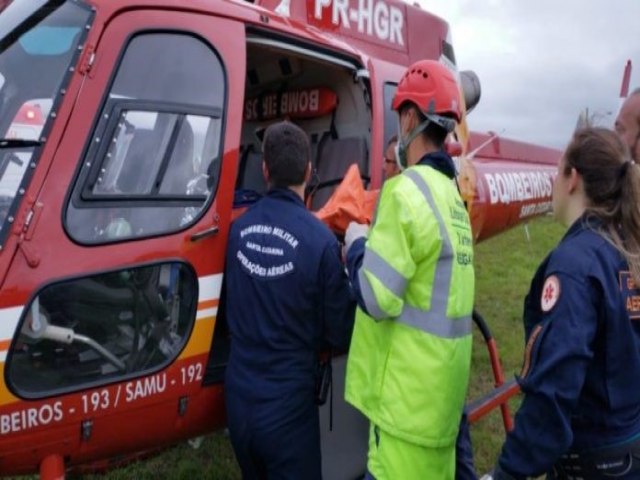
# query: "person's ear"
574,180
265,171
402,122
412,119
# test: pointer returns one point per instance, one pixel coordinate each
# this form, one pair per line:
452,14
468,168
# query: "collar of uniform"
285,194
585,222
441,161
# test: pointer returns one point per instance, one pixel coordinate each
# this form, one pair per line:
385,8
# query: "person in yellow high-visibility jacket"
410,352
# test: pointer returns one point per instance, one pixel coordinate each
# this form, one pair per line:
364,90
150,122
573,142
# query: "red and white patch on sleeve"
550,293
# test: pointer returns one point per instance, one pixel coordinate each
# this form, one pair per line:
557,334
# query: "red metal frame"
502,392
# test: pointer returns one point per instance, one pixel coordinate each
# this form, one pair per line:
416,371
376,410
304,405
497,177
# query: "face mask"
401,155
404,142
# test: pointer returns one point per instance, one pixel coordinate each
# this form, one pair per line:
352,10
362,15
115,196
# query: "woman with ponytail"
580,417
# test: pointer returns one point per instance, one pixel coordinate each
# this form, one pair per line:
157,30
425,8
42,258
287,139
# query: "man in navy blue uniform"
287,298
580,417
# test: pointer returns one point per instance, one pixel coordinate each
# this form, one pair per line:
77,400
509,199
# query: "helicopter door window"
159,166
95,330
390,117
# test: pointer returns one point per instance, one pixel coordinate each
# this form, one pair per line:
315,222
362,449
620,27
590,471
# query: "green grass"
504,267
212,460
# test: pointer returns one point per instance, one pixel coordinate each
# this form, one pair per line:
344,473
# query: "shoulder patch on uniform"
630,294
550,293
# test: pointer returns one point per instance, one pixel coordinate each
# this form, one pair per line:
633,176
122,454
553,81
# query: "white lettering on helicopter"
30,418
296,103
518,186
191,373
370,17
535,209
145,387
99,400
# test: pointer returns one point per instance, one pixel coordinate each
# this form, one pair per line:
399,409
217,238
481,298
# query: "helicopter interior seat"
250,175
250,182
139,162
335,156
143,158
131,177
180,169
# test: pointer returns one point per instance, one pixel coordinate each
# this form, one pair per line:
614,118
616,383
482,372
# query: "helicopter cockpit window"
39,43
154,160
154,153
91,331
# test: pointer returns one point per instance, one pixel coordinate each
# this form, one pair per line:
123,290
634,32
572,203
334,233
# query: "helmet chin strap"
403,143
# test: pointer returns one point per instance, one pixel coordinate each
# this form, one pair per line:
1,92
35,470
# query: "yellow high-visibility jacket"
409,360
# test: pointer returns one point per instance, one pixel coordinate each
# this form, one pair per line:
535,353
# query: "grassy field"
504,267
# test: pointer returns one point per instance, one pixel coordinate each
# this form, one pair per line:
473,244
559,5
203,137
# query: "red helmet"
431,87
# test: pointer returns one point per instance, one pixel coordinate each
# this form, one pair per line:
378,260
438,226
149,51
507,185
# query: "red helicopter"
129,139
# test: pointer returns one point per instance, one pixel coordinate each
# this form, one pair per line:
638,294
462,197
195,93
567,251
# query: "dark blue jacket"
287,298
582,359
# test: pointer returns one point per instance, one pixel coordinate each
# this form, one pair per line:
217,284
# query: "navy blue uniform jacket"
582,359
287,297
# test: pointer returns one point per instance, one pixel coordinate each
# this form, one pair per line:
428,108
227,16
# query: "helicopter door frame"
201,245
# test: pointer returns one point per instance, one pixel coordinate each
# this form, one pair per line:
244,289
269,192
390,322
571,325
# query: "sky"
542,62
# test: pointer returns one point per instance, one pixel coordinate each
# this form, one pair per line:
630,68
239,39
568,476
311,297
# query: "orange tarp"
350,202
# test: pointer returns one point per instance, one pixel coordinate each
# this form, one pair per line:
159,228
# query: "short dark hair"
287,153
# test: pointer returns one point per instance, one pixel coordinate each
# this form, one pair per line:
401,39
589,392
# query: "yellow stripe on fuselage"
201,337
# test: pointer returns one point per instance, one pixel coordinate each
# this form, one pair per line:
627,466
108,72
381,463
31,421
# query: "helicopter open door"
117,287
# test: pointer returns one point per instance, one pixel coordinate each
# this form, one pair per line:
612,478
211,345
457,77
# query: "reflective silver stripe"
389,276
437,325
435,320
369,298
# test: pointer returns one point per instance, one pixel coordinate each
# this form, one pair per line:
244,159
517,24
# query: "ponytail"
630,217
612,184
